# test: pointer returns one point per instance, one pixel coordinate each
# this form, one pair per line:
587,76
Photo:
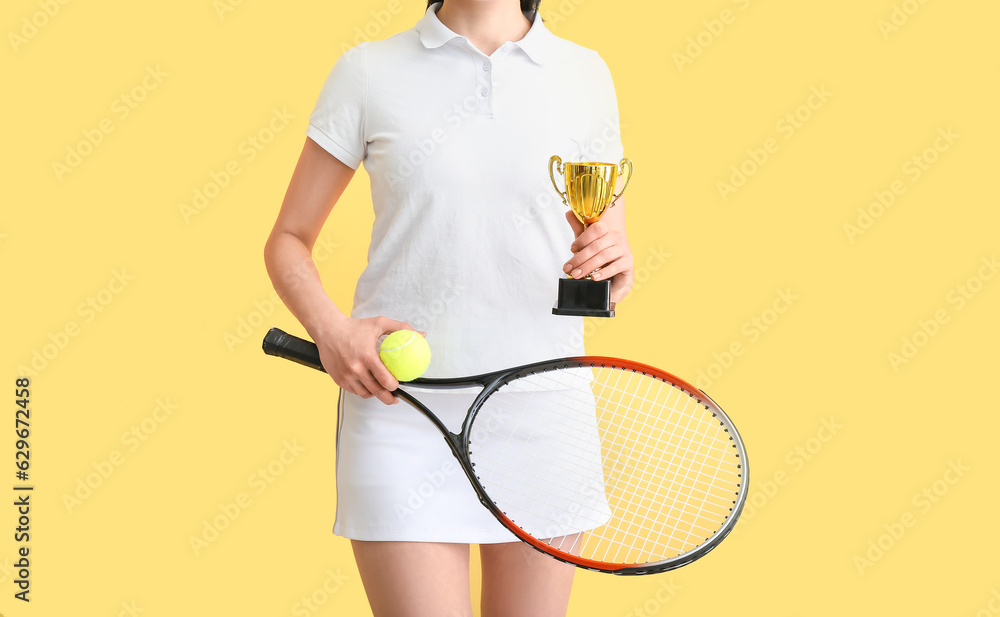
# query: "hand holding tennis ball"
406,354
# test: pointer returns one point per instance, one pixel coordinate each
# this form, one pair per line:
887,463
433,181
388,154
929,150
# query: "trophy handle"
558,167
622,165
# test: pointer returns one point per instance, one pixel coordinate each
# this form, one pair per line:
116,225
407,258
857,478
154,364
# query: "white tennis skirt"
397,479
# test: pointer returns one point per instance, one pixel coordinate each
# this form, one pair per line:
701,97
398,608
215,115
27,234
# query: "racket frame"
281,344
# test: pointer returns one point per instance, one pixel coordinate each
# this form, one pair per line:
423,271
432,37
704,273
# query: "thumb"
388,325
407,326
394,325
574,223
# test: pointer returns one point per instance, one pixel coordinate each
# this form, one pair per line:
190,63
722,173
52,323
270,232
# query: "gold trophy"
590,190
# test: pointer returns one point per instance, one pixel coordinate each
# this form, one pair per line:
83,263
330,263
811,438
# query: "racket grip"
284,345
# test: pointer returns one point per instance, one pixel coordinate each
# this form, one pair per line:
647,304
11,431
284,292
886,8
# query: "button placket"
484,85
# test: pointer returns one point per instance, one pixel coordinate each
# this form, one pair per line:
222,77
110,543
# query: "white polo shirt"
469,237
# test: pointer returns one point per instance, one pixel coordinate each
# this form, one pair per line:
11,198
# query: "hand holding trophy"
589,192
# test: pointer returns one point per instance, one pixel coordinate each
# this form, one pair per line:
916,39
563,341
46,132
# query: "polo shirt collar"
537,43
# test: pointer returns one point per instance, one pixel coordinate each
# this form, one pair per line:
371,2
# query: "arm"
347,346
603,245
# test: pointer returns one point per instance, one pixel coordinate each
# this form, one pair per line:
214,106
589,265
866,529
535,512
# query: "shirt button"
484,91
486,66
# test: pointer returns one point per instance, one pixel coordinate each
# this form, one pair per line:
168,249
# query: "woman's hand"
602,250
349,352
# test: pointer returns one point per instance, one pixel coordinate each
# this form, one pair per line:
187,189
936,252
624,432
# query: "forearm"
296,280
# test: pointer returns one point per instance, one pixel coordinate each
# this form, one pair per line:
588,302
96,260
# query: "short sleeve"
604,139
337,122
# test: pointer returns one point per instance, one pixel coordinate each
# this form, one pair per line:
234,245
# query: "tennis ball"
406,354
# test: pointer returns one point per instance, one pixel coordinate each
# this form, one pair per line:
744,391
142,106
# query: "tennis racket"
603,463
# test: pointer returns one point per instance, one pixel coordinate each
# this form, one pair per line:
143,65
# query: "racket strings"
619,466
645,516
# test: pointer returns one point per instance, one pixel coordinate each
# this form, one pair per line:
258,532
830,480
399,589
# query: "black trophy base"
585,298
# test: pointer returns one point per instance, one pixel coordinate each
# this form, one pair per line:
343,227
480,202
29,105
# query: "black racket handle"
284,345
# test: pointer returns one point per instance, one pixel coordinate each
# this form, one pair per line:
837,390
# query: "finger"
386,397
356,387
380,375
601,260
586,246
396,326
592,233
343,383
587,252
407,326
609,270
376,390
574,223
354,375
388,326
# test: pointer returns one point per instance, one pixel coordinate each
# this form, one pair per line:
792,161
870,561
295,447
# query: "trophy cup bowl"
590,191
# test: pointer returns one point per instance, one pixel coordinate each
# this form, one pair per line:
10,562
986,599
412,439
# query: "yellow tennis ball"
406,354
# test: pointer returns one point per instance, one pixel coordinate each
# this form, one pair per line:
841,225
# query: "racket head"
606,390
607,464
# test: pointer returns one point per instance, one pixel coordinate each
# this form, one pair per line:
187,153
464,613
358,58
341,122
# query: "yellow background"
826,356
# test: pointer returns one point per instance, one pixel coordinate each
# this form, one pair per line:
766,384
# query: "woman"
455,121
